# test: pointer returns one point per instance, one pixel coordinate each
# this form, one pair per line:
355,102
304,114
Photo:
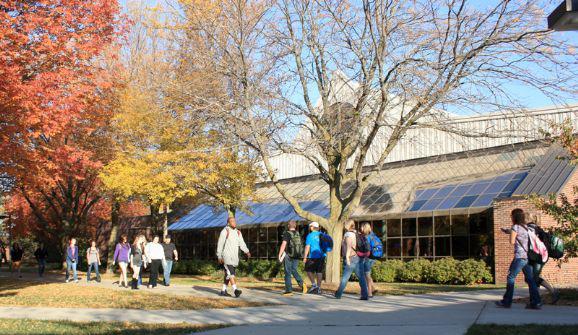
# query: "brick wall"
565,274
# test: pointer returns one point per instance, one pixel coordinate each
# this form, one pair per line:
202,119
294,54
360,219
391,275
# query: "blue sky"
532,98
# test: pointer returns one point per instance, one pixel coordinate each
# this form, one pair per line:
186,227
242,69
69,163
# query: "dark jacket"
70,253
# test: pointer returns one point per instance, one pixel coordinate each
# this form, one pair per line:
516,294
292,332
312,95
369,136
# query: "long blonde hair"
349,225
366,228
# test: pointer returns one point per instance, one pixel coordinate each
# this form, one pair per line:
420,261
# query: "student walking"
41,254
93,260
376,249
519,238
314,258
122,256
71,260
230,241
354,257
137,260
171,255
16,255
290,254
538,266
155,256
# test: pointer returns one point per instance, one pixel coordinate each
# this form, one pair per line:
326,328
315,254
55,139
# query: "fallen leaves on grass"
31,293
41,327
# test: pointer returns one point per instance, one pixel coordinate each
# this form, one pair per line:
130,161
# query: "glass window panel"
262,232
425,247
272,234
393,247
478,224
408,227
272,249
425,226
378,228
252,235
443,246
409,247
393,227
511,186
442,225
431,204
505,177
520,176
425,194
460,246
477,189
504,195
466,201
496,187
477,243
484,200
448,203
417,205
460,224
444,191
262,247
460,190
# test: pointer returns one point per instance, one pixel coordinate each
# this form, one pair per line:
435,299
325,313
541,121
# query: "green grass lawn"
19,292
41,327
277,284
522,330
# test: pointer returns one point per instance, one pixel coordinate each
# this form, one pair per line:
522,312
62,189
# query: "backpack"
325,242
536,249
295,248
363,248
555,246
376,246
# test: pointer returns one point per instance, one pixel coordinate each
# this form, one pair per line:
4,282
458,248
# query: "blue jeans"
41,267
71,265
290,265
517,265
167,268
356,265
142,268
90,266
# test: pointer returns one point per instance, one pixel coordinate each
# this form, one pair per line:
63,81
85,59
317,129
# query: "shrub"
260,269
415,271
386,271
195,267
471,271
443,271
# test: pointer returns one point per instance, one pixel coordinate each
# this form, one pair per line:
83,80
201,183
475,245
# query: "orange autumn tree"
54,103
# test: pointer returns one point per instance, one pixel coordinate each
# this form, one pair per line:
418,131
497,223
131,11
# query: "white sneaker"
76,281
66,281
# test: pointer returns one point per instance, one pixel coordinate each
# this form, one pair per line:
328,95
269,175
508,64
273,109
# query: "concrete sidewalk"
447,313
443,313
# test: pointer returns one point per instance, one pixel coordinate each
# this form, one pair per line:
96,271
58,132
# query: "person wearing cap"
230,241
171,255
314,258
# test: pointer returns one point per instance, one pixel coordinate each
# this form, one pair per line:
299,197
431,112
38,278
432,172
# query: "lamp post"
564,17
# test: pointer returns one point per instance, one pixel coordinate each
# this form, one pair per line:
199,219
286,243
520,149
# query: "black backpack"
295,245
363,248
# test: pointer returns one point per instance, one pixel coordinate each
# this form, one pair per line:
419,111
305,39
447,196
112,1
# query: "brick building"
433,207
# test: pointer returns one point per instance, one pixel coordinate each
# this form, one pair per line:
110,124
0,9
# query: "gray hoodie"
228,246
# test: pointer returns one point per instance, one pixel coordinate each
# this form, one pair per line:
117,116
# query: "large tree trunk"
115,225
165,220
333,266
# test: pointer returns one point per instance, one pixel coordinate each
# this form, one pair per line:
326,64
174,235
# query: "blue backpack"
376,246
325,242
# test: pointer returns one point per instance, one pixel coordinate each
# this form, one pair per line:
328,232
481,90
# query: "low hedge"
441,271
